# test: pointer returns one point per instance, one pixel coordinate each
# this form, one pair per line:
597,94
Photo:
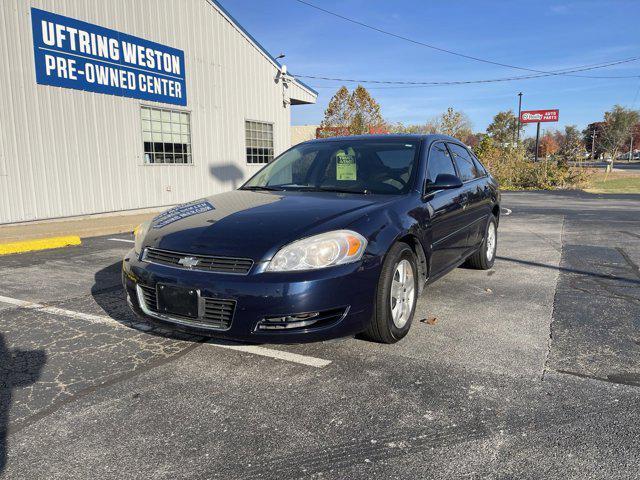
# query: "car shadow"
109,294
18,369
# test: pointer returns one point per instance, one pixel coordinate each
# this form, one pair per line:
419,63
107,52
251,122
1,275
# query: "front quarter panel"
385,226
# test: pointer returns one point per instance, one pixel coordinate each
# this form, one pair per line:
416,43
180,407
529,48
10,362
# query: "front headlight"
139,233
319,251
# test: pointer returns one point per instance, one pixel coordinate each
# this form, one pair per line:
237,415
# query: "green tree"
571,144
504,127
618,127
591,138
354,113
529,146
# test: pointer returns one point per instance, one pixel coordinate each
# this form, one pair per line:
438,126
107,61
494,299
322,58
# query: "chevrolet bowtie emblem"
189,262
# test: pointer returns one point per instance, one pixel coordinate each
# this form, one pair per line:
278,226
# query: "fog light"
289,321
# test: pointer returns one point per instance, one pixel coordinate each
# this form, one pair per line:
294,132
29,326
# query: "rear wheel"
396,296
485,256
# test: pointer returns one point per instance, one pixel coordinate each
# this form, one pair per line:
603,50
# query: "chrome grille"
216,313
205,262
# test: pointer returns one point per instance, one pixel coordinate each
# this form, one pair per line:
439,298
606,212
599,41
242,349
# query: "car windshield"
357,166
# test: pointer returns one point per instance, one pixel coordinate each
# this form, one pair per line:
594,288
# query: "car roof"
387,137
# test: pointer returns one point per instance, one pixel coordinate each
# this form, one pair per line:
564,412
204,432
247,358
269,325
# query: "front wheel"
396,296
485,256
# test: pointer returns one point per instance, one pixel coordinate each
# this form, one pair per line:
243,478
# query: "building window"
166,135
259,138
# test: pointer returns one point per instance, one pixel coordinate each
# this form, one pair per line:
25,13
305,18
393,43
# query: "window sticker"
346,165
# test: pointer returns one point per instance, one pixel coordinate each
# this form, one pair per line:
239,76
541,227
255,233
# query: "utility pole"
593,143
537,140
631,149
519,111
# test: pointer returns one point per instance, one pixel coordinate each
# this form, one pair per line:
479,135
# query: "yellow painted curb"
38,244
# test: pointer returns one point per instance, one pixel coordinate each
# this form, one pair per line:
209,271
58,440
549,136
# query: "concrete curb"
39,244
84,227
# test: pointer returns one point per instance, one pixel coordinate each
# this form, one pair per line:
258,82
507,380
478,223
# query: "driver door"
443,214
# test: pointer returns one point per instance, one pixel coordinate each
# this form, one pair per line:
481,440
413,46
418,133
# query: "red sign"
535,116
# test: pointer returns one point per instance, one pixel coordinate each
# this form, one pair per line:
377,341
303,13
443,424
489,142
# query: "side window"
439,162
466,167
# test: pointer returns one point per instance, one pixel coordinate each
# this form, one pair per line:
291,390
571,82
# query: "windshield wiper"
340,190
262,187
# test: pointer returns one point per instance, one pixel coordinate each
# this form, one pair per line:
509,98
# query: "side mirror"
444,181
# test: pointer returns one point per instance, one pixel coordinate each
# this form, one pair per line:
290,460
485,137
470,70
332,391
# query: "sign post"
539,116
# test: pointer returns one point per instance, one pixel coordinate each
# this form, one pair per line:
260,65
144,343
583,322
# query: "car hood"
255,225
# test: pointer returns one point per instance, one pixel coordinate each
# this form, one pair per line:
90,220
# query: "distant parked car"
334,237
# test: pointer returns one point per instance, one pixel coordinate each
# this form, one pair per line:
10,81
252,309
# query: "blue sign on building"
74,54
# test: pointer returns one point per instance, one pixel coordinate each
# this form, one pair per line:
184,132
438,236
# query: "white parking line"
61,312
102,319
279,354
122,240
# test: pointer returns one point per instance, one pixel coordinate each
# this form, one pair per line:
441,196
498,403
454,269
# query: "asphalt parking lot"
530,370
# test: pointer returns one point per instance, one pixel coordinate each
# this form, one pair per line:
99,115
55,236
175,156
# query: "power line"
452,52
465,82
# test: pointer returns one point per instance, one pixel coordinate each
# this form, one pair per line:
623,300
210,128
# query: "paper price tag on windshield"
345,166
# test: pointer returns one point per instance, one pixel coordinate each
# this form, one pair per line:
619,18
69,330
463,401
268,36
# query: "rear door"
476,206
446,229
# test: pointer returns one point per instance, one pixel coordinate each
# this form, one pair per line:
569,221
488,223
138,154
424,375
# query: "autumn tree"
504,127
354,113
548,145
451,122
417,128
336,116
618,127
455,124
365,112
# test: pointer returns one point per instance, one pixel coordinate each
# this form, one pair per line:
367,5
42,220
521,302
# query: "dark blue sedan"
334,237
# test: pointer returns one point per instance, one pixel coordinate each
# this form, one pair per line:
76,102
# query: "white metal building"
126,104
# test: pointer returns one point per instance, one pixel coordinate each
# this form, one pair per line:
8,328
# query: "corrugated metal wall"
67,152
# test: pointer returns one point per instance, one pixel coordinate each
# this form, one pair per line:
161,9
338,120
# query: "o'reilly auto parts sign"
70,53
535,116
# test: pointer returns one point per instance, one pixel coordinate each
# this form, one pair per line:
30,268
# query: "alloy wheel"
402,293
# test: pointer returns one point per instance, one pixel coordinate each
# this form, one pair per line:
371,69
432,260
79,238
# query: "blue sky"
540,35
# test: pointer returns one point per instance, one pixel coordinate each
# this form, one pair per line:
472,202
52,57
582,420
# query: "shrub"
509,165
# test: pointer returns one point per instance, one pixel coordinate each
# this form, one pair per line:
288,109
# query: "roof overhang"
299,92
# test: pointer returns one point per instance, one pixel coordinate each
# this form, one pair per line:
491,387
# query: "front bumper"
347,288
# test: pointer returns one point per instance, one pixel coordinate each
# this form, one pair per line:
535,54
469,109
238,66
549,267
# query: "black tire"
480,259
382,328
